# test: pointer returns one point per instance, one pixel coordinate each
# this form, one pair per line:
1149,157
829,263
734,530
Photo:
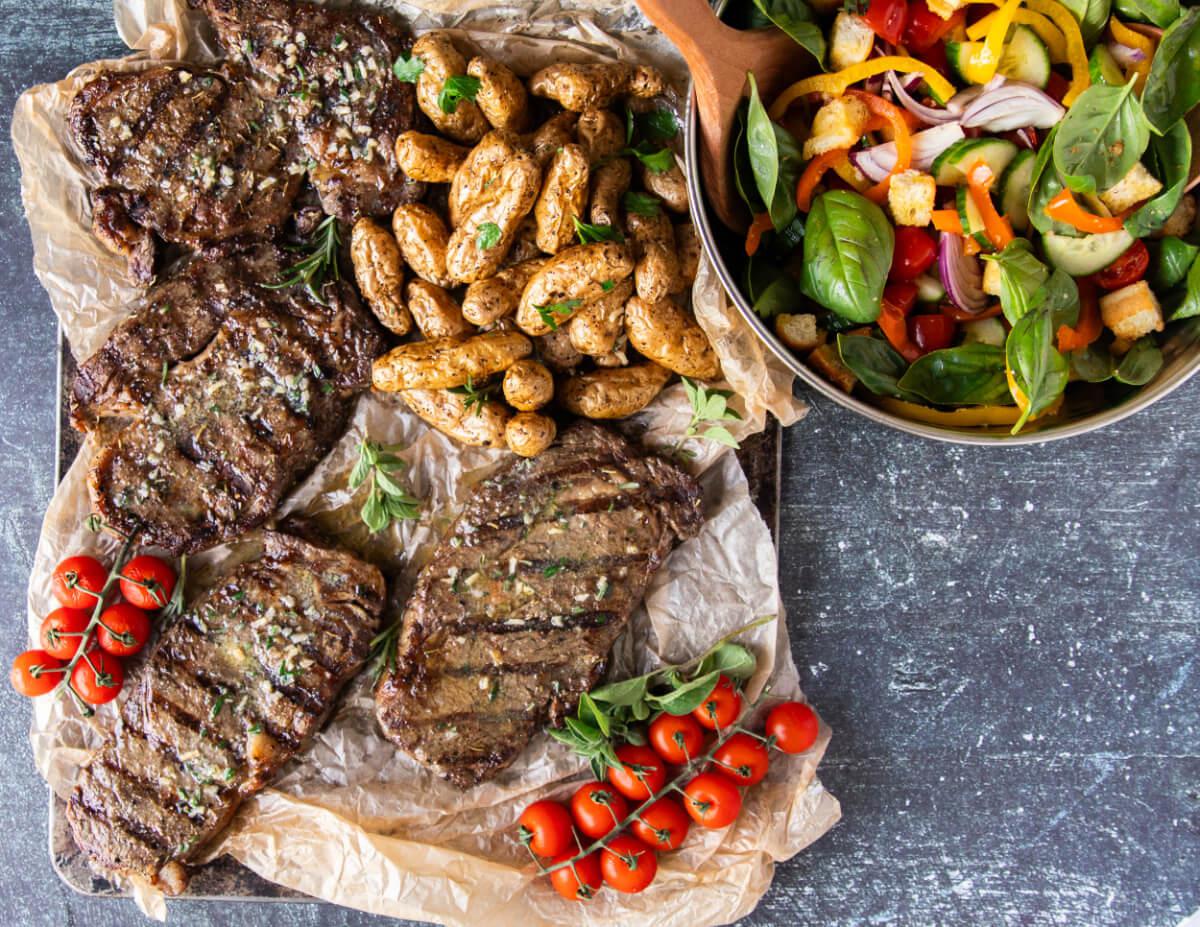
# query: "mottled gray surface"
1004,642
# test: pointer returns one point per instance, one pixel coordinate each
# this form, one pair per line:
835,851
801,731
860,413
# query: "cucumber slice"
1015,184
1026,58
929,288
1087,255
1103,67
957,56
951,166
985,331
970,217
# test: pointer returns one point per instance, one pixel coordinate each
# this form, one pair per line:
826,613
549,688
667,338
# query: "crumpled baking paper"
354,821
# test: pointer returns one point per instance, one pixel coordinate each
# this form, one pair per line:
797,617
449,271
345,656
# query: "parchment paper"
354,821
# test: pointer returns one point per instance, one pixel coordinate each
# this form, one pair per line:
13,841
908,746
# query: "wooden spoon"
719,57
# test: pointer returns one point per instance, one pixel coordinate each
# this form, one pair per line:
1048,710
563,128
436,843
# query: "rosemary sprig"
319,265
387,500
476,396
383,651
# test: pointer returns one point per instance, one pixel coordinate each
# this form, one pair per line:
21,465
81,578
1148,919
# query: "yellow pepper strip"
835,84
982,65
972,417
852,175
1081,79
1046,31
1126,36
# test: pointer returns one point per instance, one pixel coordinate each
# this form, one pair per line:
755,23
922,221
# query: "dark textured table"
1005,642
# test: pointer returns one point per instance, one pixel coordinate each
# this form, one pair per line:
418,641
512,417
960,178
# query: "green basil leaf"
1173,86
1045,184
687,697
875,363
658,125
734,660
1189,305
1022,279
456,88
627,692
655,160
1062,299
743,175
848,244
1169,159
1092,16
1100,139
795,18
1038,370
642,204
1170,259
774,161
968,375
1160,13
589,234
1141,362
488,236
1093,363
781,295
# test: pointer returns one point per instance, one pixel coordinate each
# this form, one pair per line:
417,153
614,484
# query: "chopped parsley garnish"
488,237
564,308
459,87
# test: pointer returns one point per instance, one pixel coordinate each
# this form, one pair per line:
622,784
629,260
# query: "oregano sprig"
387,500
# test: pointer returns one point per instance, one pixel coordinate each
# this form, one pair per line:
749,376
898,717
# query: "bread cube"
827,362
991,278
1180,222
1139,184
946,8
851,41
838,124
911,198
1132,311
799,332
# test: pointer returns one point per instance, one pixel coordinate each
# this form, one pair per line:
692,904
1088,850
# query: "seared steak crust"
233,690
516,612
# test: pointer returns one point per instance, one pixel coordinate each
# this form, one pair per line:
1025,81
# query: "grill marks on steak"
233,690
261,386
520,605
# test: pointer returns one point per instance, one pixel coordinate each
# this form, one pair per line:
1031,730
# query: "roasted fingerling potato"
601,132
687,250
444,362
610,182
478,172
617,357
554,349
668,335
657,270
379,272
429,158
502,96
479,244
563,198
477,424
422,237
552,135
443,61
669,186
571,278
497,296
528,433
596,326
613,392
435,312
528,385
579,87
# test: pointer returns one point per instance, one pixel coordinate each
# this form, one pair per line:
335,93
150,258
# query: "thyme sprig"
387,500
383,651
476,396
319,265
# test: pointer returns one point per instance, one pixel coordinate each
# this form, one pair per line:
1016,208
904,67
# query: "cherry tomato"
1129,268
722,706
712,799
123,629
744,759
98,677
914,254
35,672
642,772
931,332
597,809
901,295
924,28
887,18
794,726
677,738
1024,138
579,881
147,582
546,828
627,864
1057,86
76,578
663,826
62,632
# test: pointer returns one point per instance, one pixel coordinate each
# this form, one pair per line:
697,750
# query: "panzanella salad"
978,205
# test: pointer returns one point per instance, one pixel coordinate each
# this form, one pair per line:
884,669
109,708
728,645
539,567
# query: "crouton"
946,8
1139,184
1180,222
799,332
838,124
1132,311
827,362
851,41
991,278
911,197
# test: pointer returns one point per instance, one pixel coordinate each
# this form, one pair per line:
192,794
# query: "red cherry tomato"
642,772
123,630
579,881
35,672
924,28
901,295
663,825
712,799
1057,86
721,708
597,809
676,738
794,726
887,18
62,632
98,677
545,827
931,332
915,253
147,582
627,864
744,759
75,581
1129,268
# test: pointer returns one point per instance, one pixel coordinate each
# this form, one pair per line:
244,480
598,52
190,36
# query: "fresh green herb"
476,396
1169,158
408,69
218,704
1045,184
1159,13
655,160
255,728
387,500
710,407
1173,86
1038,369
1100,139
1141,363
457,88
848,245
383,651
771,288
488,236
796,19
875,363
659,124
287,673
1022,279
93,523
1094,363
967,375
564,309
642,204
1092,16
319,265
554,568
774,161
608,285
589,234
1170,259
1188,305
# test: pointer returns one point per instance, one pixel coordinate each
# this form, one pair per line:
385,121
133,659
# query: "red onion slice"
877,162
1015,105
1126,55
927,114
961,273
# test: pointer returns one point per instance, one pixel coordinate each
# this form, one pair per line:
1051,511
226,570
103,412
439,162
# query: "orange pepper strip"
812,176
979,181
1088,328
947,220
971,245
762,223
1063,208
901,136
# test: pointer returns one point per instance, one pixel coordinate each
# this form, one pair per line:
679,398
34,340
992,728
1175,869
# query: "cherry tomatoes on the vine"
579,881
147,582
744,759
642,772
627,864
98,677
35,672
62,632
123,629
712,799
722,706
545,827
676,738
597,809
794,726
663,826
77,582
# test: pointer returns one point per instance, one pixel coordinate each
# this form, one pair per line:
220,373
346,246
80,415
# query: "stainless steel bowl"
1181,351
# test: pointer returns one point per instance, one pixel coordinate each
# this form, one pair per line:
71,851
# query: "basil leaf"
743,176
968,375
1100,139
642,204
1045,184
456,88
1169,159
734,660
782,295
1093,363
1141,363
1161,13
795,18
774,161
848,244
1170,259
657,161
589,234
875,363
1092,16
658,125
1173,86
1189,306
488,236
1022,279
687,697
1062,299
626,693
1038,370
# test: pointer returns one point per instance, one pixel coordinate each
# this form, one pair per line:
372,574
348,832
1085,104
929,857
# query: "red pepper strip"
762,223
901,136
961,315
1063,208
898,299
1088,327
812,176
947,220
979,181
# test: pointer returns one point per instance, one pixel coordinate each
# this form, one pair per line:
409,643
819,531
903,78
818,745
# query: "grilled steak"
233,690
191,155
221,436
332,70
516,613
